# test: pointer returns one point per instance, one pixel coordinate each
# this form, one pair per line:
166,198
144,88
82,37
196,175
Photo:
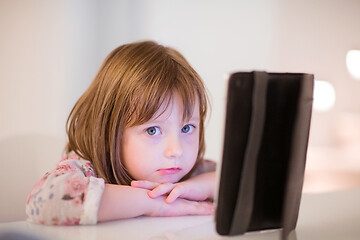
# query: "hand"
198,188
173,191
180,207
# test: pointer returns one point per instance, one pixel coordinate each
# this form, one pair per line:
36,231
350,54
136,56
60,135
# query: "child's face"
163,149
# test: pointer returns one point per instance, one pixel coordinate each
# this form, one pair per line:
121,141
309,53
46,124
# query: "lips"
168,171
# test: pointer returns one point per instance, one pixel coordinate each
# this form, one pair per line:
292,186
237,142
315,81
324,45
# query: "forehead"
176,104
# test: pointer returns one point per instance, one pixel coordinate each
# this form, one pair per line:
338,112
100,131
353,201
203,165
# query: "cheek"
137,159
192,147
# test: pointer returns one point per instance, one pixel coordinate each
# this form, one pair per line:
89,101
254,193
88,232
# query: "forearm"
119,201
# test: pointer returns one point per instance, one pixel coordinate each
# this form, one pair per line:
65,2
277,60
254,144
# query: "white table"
325,216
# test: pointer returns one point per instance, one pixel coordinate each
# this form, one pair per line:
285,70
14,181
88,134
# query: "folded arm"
120,201
198,188
72,194
183,198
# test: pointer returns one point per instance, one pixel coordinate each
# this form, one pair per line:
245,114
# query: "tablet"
265,143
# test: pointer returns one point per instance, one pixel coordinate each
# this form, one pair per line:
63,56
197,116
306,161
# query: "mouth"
168,171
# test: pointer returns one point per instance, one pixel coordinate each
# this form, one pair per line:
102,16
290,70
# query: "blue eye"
187,128
153,131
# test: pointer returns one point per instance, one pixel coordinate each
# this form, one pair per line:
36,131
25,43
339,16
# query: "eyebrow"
157,121
196,119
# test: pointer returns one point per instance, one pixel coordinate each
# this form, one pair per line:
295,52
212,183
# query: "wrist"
154,206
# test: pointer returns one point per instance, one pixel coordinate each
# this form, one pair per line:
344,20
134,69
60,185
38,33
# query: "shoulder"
72,160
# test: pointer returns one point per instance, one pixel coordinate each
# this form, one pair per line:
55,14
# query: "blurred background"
50,50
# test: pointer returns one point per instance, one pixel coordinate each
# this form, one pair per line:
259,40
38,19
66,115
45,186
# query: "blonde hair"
132,83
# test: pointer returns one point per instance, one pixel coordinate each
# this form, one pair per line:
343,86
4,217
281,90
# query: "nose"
173,147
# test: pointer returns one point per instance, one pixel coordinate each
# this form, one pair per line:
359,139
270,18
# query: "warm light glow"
353,63
324,96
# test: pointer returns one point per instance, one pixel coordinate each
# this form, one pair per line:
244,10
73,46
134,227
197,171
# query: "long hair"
132,83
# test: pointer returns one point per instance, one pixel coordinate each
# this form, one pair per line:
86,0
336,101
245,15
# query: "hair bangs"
155,93
152,94
188,95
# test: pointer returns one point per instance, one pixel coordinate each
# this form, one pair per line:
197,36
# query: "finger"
161,190
176,192
144,184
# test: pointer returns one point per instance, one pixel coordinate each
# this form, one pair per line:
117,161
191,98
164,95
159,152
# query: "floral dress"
70,194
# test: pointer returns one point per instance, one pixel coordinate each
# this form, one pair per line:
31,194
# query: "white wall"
47,57
51,50
47,50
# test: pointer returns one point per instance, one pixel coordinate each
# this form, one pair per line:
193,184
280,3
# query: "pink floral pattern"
65,168
59,196
75,189
71,221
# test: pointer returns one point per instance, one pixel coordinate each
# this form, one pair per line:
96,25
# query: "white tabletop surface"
328,216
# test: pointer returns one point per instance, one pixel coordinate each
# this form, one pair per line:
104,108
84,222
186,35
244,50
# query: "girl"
136,144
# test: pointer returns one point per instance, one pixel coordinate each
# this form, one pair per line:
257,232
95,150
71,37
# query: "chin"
170,179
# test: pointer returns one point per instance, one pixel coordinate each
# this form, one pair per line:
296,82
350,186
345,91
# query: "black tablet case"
266,137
